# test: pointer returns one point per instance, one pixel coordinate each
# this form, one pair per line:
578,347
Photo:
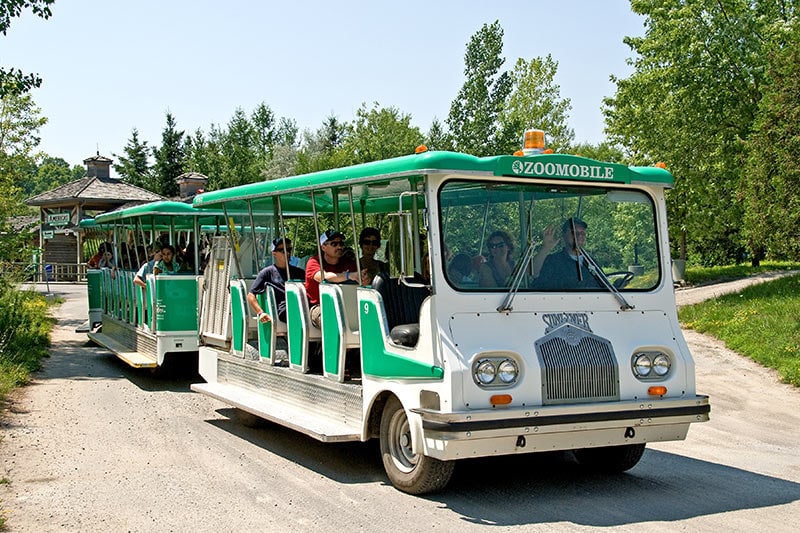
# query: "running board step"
299,418
134,359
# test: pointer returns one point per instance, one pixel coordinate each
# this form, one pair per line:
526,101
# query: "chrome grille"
577,366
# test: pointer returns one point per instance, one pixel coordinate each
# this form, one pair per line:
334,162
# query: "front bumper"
448,436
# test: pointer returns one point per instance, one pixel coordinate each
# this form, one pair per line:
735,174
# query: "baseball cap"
330,234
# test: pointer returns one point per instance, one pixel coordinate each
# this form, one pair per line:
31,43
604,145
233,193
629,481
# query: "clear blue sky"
111,65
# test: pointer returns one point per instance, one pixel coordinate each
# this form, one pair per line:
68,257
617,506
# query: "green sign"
48,234
58,219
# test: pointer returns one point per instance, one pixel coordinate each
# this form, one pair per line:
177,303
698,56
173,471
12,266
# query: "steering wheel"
623,278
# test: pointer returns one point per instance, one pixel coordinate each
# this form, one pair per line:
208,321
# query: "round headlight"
507,371
661,365
642,365
485,372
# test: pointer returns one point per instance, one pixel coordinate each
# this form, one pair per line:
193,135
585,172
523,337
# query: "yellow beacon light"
533,142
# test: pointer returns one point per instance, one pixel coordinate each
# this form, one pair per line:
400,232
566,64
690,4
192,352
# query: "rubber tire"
611,459
408,472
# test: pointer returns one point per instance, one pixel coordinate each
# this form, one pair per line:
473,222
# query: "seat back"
298,322
339,326
401,302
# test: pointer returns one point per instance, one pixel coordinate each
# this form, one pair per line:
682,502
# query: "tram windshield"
537,237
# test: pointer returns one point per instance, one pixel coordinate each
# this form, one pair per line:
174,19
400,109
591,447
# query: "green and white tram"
452,367
141,325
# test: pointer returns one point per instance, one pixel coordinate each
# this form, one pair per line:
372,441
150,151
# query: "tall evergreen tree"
474,114
437,137
134,166
170,159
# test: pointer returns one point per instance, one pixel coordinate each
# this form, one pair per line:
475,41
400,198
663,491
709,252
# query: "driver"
568,268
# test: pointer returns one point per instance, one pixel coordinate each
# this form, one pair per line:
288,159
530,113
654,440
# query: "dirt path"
95,446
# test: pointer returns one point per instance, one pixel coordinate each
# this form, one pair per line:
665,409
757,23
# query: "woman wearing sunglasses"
498,267
370,242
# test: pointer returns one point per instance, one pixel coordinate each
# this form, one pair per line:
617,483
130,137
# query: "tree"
170,159
691,102
20,121
14,81
473,121
380,133
52,172
134,166
437,137
321,149
535,101
771,184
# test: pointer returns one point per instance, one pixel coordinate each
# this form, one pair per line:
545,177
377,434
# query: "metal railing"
44,272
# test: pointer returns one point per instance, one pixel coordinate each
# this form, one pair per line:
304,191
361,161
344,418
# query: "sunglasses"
371,242
493,245
337,244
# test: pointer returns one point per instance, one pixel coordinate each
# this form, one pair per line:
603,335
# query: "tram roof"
294,190
160,213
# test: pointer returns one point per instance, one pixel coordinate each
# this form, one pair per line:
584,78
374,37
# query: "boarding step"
298,417
134,359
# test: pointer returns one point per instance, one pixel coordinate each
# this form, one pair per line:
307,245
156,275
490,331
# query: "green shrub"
24,335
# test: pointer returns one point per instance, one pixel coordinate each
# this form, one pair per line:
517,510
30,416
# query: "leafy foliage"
474,119
771,184
14,81
20,121
535,101
380,133
691,102
24,334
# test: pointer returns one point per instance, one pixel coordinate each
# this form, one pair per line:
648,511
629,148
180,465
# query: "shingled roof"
95,188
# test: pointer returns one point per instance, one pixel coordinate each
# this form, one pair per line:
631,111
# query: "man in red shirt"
335,268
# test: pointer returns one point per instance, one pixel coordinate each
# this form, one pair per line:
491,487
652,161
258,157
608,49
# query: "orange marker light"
500,399
421,148
519,153
661,164
657,390
548,151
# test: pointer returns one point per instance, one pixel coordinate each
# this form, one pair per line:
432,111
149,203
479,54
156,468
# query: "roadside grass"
760,323
24,335
696,275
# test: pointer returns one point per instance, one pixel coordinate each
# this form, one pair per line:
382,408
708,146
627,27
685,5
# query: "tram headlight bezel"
651,365
495,371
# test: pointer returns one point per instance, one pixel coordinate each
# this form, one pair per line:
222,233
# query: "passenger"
370,241
94,261
497,269
568,268
147,267
274,276
337,270
169,263
460,270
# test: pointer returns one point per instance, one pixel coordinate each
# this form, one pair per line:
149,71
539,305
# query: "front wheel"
611,459
409,472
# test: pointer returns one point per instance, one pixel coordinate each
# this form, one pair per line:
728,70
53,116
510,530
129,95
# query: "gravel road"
93,445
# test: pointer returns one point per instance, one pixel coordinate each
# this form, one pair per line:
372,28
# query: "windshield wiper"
519,275
598,273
